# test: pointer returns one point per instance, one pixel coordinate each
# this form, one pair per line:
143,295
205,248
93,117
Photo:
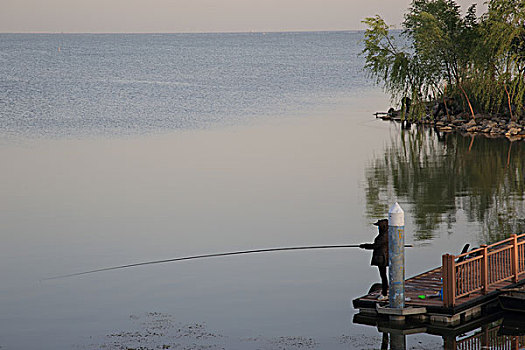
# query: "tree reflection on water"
441,174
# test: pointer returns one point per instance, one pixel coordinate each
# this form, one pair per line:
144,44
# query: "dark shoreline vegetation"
456,72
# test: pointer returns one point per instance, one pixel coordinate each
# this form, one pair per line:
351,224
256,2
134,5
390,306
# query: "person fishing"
380,254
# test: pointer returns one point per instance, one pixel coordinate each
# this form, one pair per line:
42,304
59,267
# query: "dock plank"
429,283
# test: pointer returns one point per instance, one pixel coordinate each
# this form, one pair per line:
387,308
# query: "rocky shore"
463,123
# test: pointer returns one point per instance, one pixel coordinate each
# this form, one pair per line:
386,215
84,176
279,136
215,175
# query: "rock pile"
481,124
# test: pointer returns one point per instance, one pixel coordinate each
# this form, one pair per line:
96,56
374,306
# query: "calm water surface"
70,85
101,168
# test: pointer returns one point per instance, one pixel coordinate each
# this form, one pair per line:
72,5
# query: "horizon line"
188,32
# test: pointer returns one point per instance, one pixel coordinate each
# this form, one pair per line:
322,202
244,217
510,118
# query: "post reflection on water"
437,176
495,331
440,174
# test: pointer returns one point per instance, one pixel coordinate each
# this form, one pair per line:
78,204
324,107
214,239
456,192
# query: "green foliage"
402,73
384,60
480,61
504,63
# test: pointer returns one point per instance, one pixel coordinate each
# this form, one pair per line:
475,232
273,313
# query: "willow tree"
402,73
480,61
500,62
444,39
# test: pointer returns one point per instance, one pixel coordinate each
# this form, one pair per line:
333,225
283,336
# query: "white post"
396,256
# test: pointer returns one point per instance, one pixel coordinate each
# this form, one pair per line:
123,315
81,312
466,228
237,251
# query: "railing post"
516,343
449,280
485,269
515,266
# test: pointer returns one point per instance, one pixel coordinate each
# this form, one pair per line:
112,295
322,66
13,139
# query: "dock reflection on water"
496,330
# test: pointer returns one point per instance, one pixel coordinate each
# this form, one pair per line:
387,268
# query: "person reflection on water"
380,254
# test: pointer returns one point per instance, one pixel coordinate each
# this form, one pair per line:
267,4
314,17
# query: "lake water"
68,85
119,149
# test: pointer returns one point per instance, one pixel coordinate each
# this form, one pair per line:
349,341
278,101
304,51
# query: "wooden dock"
469,281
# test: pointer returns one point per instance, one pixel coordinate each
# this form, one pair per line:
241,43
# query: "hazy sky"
194,15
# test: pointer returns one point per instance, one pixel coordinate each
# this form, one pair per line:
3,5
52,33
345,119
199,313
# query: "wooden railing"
489,339
481,268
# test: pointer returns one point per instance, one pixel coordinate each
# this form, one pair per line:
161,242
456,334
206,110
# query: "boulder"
489,123
472,122
512,131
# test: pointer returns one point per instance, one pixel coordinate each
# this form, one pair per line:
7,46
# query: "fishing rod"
267,250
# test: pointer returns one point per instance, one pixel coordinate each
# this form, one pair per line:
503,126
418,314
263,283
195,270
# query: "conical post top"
396,215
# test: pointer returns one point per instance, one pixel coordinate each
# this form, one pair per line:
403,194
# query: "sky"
167,16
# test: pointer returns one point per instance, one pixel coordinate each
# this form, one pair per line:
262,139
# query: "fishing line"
211,256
